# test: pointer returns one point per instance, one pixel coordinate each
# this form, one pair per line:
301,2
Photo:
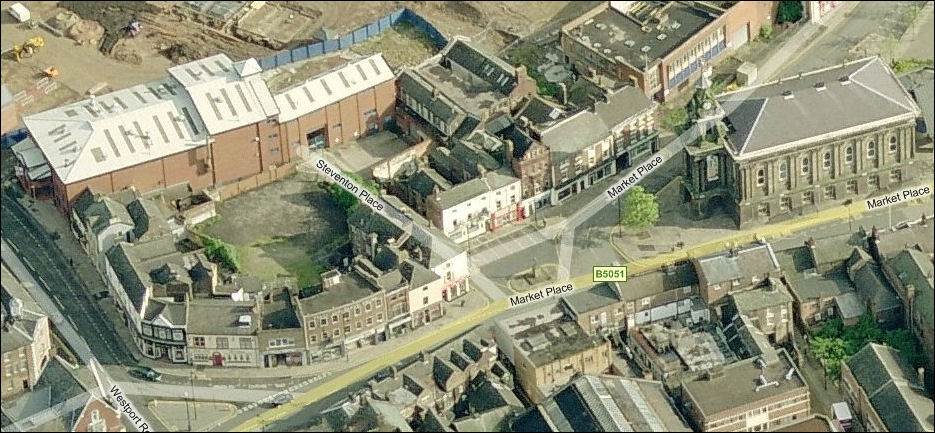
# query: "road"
873,27
42,257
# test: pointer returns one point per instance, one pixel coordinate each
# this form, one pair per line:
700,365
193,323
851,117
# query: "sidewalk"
474,301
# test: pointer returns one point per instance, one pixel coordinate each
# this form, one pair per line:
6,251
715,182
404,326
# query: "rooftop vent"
819,86
661,36
675,25
606,51
589,21
629,42
845,80
645,48
597,45
600,26
787,94
790,373
244,320
646,29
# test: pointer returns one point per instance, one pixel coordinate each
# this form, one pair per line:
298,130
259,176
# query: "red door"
218,359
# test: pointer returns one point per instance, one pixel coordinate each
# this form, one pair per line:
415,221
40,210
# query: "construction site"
64,51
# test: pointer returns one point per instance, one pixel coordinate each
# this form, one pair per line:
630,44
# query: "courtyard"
289,227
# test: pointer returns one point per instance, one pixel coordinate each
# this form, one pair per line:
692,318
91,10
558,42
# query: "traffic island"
531,278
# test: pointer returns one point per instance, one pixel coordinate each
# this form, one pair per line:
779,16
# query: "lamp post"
188,413
191,381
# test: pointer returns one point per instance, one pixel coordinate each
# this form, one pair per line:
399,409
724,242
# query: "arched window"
806,165
849,154
760,177
893,145
783,170
871,149
826,160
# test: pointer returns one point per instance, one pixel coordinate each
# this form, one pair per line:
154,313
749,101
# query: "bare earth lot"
289,227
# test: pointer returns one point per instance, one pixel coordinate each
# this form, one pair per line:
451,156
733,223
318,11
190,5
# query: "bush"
902,66
834,342
344,199
221,253
789,12
766,32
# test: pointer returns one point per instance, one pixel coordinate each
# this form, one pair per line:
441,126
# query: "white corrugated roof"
332,87
225,99
117,130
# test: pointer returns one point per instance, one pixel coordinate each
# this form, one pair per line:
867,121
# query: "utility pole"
188,413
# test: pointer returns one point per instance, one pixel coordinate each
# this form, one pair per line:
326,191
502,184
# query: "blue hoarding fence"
361,34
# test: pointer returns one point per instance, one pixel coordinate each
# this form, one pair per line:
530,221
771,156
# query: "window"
357,310
849,154
358,324
380,317
198,341
324,321
871,150
826,160
852,186
893,144
785,203
367,306
221,342
760,177
379,302
346,315
829,192
808,198
370,320
806,165
783,170
148,330
336,333
425,300
334,319
311,324
645,301
246,343
873,182
762,209
896,176
347,329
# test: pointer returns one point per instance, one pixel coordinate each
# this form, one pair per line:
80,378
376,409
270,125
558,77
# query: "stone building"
792,146
26,347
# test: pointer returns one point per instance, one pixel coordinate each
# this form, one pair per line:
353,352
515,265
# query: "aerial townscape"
471,216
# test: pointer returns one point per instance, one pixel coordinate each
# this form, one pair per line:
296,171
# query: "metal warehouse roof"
226,99
333,86
121,129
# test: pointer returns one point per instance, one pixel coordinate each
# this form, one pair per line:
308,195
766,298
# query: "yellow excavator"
28,48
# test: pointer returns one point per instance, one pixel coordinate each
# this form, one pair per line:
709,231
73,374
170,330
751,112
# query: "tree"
789,12
641,209
903,341
830,352
676,120
221,252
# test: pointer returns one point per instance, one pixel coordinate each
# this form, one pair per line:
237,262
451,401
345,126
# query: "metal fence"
361,34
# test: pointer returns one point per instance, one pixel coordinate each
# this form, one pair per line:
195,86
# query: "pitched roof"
597,296
893,388
915,268
870,282
853,96
224,99
621,105
491,69
167,313
333,86
132,264
745,264
222,317
117,130
491,181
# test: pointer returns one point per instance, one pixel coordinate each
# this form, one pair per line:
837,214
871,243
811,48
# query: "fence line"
361,34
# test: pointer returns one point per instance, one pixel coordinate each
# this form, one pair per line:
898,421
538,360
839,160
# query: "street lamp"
191,378
188,413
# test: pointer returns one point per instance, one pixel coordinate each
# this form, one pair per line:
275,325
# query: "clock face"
706,105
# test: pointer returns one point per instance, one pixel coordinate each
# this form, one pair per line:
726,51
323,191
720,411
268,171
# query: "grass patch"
530,56
904,66
401,45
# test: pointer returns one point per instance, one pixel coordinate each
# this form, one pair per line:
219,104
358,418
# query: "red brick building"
211,122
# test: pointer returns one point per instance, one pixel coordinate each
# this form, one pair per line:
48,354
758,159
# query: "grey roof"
99,211
424,182
132,264
351,288
475,187
677,276
762,118
57,385
611,403
496,72
552,341
772,293
849,305
418,88
462,162
921,85
541,112
23,329
803,279
893,388
149,219
278,311
221,317
870,282
175,313
574,134
918,236
915,268
598,296
622,105
736,387
746,340
744,263
625,35
417,274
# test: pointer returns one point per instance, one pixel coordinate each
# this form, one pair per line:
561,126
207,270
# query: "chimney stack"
921,372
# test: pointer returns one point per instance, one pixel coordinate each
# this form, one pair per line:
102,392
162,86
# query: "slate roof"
551,341
493,70
893,388
541,112
418,88
915,268
573,134
351,288
221,317
870,282
278,311
150,221
101,212
855,95
133,262
171,313
23,329
610,403
473,188
598,296
621,105
681,274
772,293
744,264
921,85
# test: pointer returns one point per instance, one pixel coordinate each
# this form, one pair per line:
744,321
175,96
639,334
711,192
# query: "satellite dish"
706,105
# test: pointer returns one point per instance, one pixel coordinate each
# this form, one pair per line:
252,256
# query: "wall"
387,168
345,120
553,375
236,354
108,418
234,189
361,34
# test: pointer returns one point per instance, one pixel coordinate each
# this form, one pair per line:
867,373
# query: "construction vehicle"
28,48
50,72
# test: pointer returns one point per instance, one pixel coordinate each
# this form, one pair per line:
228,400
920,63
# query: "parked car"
146,373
